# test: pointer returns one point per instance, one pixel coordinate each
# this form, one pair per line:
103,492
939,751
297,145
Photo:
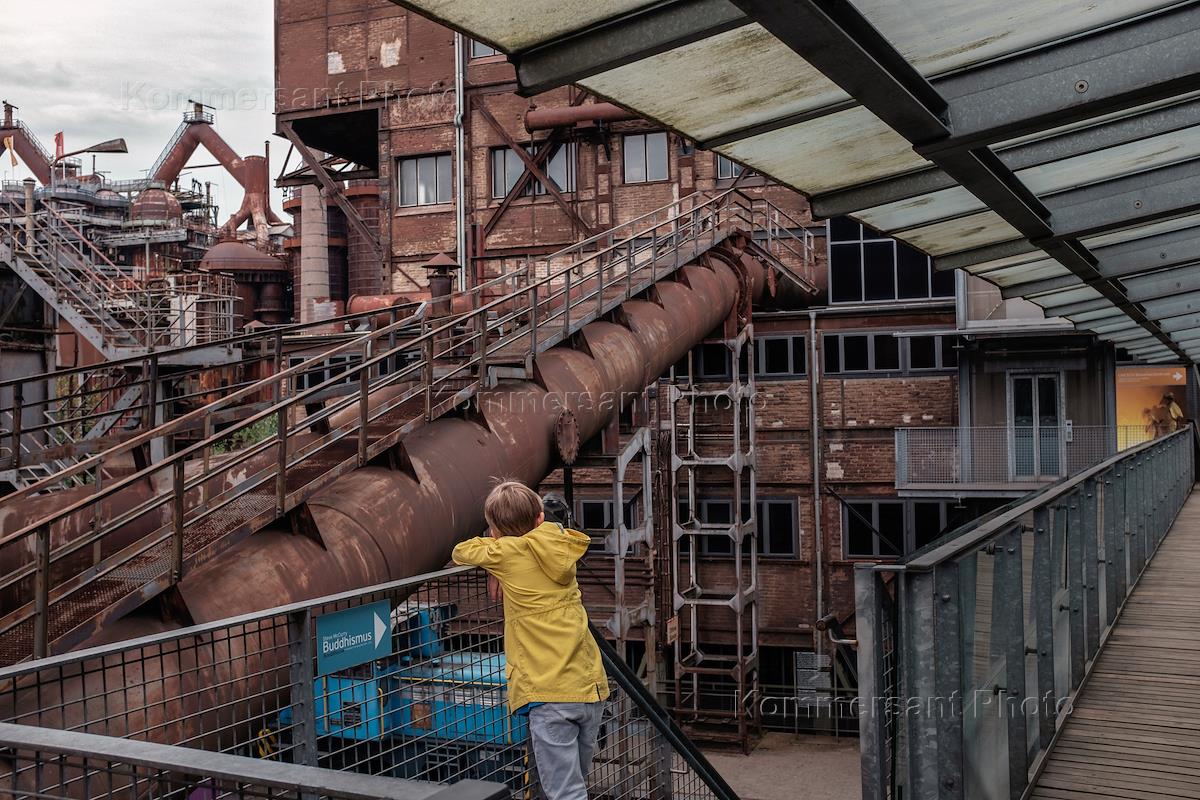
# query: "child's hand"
495,593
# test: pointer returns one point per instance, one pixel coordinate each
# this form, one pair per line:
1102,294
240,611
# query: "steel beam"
1014,249
1124,202
622,40
1066,145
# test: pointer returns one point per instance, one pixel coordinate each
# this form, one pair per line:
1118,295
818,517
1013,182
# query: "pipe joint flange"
566,436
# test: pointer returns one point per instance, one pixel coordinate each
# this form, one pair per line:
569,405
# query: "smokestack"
314,252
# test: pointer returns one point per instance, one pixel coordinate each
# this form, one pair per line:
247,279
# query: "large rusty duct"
379,524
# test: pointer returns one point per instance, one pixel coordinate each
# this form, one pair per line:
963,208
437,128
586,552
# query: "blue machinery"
426,709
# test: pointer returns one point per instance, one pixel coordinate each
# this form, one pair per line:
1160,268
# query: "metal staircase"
384,384
116,313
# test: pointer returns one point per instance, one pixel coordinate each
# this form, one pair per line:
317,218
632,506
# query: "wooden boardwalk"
1135,730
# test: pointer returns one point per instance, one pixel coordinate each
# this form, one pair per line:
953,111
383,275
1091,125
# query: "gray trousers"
564,740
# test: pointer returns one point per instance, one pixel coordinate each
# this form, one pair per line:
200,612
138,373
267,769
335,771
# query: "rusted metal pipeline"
541,119
379,524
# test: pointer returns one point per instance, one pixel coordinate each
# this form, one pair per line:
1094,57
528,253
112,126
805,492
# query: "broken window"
645,157
865,266
425,180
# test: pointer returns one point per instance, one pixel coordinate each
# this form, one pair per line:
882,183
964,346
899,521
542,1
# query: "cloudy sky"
99,70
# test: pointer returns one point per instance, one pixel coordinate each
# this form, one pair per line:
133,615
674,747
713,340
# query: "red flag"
58,145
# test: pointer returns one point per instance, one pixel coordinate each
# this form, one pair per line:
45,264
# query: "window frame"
569,152
945,344
868,237
645,136
473,55
437,191
760,360
761,526
908,515
727,169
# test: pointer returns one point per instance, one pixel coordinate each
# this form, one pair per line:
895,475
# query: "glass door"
1035,429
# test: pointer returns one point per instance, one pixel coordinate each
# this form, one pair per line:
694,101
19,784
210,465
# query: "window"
596,519
507,167
866,267
727,169
481,50
884,352
645,157
322,369
780,356
713,362
777,529
892,528
425,180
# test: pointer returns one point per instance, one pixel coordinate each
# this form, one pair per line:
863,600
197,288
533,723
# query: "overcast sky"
99,70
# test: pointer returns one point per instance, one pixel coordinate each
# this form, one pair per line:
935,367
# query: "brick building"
373,87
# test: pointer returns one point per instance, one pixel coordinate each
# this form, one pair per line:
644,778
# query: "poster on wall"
1151,401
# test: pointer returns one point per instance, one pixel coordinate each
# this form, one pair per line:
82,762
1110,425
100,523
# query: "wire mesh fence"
429,704
997,455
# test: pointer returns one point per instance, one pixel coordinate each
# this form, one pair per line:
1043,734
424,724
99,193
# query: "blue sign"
348,638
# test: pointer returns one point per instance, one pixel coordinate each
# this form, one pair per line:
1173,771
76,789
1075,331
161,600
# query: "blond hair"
512,508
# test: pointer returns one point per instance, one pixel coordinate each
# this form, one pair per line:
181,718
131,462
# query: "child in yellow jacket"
553,665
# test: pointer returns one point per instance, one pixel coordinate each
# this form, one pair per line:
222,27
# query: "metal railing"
307,446
972,650
429,704
52,764
123,311
1005,457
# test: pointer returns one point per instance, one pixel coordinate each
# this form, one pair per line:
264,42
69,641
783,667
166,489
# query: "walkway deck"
1135,730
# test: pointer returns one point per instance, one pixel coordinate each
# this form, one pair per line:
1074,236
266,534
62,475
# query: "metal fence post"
177,514
1043,616
1091,564
869,622
1007,597
1075,588
300,676
947,635
1110,550
41,592
1121,534
919,659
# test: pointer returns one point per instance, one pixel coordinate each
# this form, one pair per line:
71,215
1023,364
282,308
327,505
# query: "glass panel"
943,283
912,273
887,352
426,181
891,528
799,355
445,183
408,182
879,271
781,533
922,352
949,346
856,359
635,159
860,539
513,167
656,156
1049,442
832,346
845,268
499,186
776,356
1022,419
596,514
927,523
843,229
556,170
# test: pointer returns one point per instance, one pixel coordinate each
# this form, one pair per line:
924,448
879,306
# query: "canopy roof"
1049,146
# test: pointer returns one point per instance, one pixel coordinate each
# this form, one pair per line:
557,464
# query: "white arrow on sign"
380,629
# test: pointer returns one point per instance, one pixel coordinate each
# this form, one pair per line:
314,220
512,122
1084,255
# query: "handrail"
540,313
1010,515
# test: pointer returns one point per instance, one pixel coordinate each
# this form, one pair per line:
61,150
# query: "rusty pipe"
378,524
541,119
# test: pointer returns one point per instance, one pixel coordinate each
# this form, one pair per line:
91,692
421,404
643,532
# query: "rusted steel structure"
397,506
620,342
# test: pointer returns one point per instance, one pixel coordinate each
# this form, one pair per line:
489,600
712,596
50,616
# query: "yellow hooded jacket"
551,656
